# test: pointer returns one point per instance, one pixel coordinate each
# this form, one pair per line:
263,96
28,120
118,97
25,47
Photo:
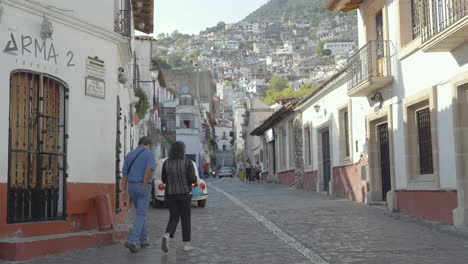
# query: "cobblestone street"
268,223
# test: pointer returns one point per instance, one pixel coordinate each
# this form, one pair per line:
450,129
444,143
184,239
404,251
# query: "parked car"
159,188
225,172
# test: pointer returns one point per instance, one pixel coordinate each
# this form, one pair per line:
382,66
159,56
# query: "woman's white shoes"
187,247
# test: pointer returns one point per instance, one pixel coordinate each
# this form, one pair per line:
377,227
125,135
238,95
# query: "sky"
193,16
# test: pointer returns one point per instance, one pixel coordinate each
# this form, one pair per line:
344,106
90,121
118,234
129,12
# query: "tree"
319,48
162,63
272,95
326,52
175,60
193,56
278,83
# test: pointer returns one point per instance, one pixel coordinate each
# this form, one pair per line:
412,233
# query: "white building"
224,134
231,44
189,127
340,47
67,81
251,28
239,112
389,128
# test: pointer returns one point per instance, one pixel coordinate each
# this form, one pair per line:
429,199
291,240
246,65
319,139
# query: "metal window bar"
37,148
415,18
437,15
425,141
123,23
372,60
118,151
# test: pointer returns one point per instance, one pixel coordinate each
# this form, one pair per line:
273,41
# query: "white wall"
91,11
414,73
91,121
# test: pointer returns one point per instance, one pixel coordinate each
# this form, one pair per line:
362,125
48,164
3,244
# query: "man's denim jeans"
140,198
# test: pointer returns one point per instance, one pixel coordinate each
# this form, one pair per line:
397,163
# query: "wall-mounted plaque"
96,72
95,87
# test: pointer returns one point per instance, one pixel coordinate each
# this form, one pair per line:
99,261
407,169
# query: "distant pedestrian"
248,171
178,173
258,171
137,171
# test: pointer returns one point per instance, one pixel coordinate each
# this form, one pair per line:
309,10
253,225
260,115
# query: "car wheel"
201,203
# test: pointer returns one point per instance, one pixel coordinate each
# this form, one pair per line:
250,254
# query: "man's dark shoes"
132,247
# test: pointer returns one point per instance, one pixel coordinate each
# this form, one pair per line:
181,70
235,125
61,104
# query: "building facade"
388,129
67,109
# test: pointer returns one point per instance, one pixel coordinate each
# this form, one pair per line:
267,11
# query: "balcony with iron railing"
444,24
369,69
123,23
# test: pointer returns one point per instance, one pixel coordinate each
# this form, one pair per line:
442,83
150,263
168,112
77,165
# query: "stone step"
25,248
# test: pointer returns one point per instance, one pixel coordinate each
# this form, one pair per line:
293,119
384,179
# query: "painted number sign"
43,50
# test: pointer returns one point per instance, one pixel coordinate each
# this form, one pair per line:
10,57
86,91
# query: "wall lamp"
46,29
317,108
377,97
122,76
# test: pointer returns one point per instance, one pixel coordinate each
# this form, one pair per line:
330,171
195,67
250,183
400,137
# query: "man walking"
137,171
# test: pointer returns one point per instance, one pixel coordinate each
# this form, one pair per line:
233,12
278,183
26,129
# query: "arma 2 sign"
37,52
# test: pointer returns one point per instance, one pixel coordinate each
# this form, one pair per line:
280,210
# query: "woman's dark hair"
177,150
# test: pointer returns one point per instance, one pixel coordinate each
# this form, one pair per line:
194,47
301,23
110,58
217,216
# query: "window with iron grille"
37,151
291,145
425,141
308,145
346,132
415,18
282,148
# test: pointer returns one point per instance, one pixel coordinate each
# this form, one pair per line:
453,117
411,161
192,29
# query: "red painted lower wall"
310,180
287,177
347,182
430,205
81,211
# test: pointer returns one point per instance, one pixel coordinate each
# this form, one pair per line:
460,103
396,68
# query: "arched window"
37,148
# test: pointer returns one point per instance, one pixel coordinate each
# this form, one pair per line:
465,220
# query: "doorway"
326,160
384,159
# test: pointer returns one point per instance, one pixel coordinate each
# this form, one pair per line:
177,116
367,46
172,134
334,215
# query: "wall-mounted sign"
95,87
95,84
44,50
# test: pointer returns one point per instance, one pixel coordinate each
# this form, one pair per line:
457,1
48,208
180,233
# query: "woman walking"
178,173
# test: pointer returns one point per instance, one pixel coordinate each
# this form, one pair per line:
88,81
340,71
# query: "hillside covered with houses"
303,46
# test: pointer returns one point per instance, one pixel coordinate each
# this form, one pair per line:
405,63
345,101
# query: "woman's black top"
178,175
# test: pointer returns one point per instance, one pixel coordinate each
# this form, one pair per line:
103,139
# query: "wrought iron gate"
118,151
326,160
384,160
37,148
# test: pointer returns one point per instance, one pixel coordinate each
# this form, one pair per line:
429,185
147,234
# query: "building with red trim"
389,128
66,114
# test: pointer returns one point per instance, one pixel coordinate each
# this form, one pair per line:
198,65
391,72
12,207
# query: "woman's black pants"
179,208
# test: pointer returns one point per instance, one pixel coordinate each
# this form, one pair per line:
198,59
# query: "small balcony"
123,23
369,69
444,24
